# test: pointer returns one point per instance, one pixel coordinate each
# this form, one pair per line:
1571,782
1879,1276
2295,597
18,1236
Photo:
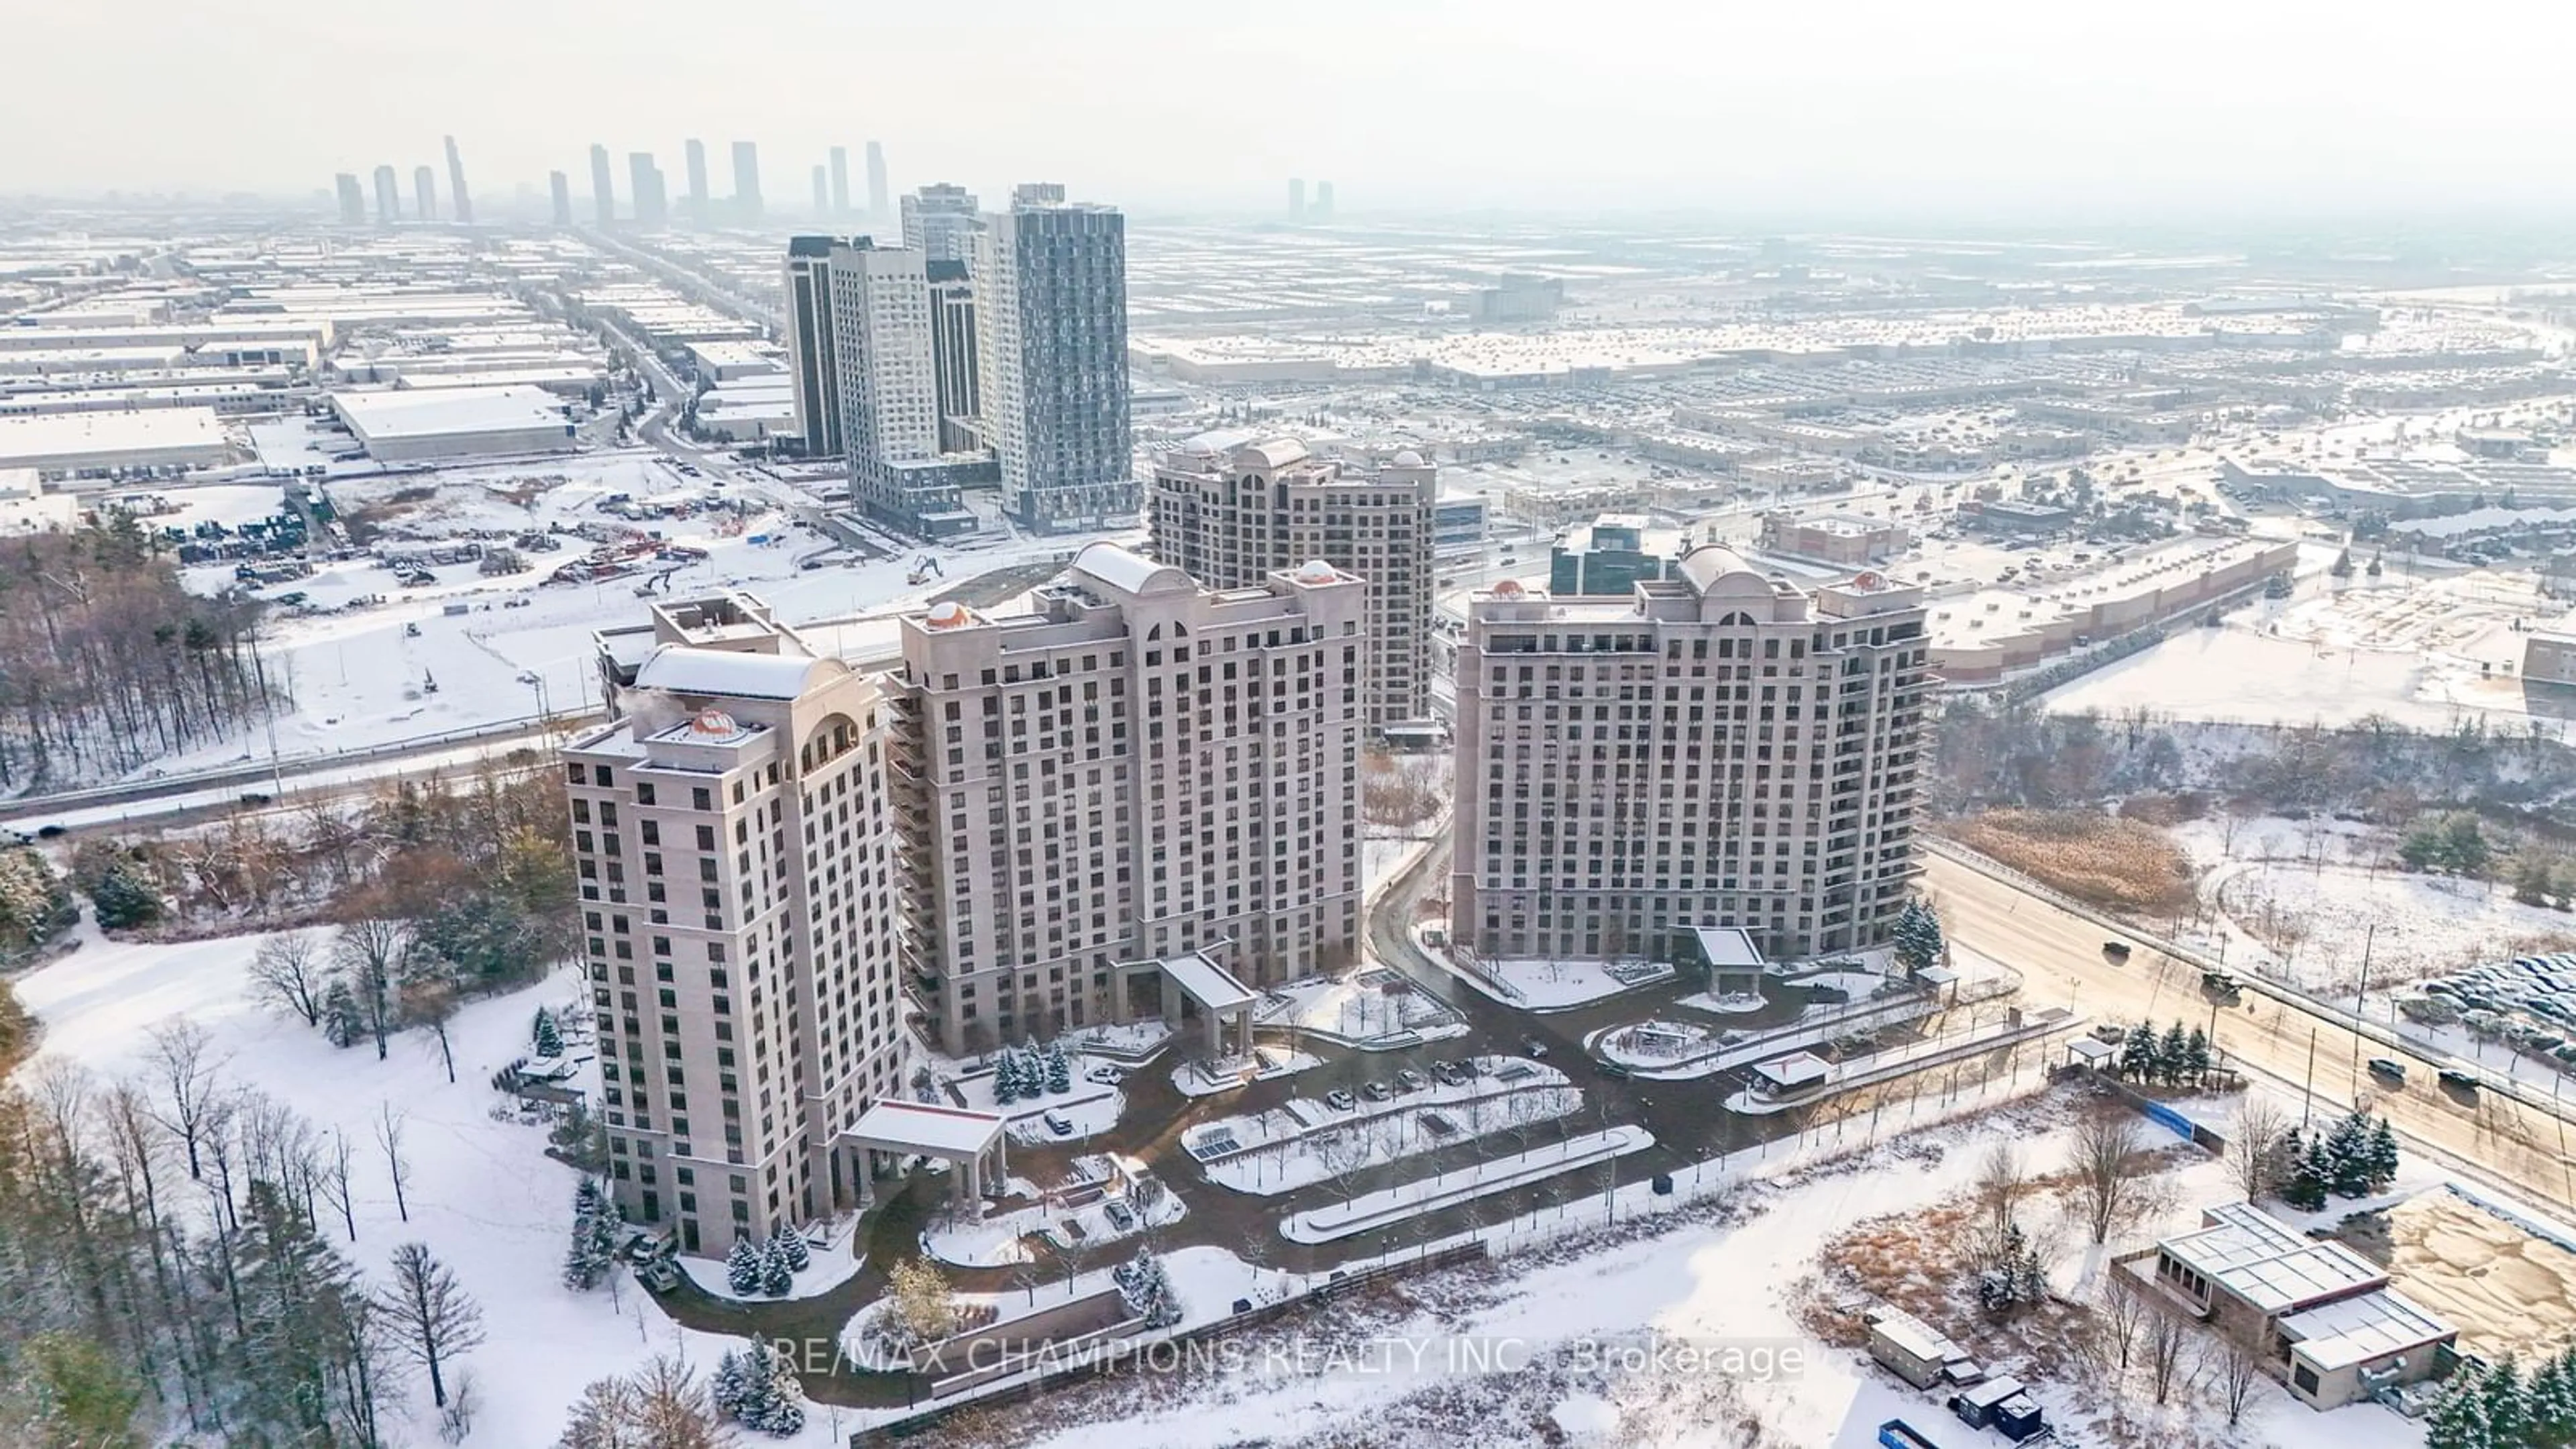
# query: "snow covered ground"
835,1258
1705,1282
1000,1239
1085,1106
1303,1141
1387,1206
1212,1078
1369,1007
1358,1144
2425,653
480,1191
357,677
1543,985
2300,899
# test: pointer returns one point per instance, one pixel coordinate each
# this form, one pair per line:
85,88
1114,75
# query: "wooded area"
107,663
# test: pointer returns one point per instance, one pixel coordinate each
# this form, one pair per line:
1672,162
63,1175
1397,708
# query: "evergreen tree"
771,1400
1006,1077
2305,1186
584,1266
2382,1156
2138,1053
743,1264
546,1035
792,1246
1059,1069
1147,1289
2348,1157
2195,1057
2551,1401
2172,1054
342,1023
2459,1419
124,898
776,1278
1917,938
2464,846
2508,1405
730,1386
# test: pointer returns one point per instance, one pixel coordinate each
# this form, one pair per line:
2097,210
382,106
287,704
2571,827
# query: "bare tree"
2124,1312
2169,1348
2238,1371
456,1421
335,1180
1344,1154
429,997
289,973
2256,1144
433,1318
2106,1170
370,948
2002,1180
190,1081
389,1130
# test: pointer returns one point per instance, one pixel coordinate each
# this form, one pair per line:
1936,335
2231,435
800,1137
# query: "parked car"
1058,1123
660,1275
1409,1080
1450,1073
1341,1101
1376,1092
2390,1068
2459,1080
1533,1047
1106,1075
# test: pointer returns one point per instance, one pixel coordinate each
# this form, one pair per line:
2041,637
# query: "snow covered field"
2424,653
2299,899
1704,1281
481,1193
1542,985
1306,1141
357,677
1351,1009
1000,1239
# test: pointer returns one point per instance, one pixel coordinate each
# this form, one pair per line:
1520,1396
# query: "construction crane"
658,584
924,569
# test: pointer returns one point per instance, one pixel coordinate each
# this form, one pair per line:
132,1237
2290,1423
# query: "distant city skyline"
1996,105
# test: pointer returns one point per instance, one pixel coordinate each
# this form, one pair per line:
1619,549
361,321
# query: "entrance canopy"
922,1129
956,1135
1210,985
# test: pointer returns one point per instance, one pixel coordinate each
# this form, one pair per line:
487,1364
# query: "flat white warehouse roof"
382,415
149,435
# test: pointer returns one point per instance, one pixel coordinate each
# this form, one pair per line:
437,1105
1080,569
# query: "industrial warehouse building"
416,425
95,443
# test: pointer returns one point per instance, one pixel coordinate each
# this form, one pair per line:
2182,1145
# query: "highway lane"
2317,1059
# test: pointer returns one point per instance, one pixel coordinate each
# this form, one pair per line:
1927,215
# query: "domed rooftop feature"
1510,589
1129,572
1316,571
949,615
1709,562
1271,453
1406,459
714,722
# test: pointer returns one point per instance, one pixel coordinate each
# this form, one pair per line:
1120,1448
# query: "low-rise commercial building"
408,425
1606,559
1834,538
2320,1317
90,444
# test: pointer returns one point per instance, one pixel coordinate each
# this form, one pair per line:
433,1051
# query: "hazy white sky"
2035,107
